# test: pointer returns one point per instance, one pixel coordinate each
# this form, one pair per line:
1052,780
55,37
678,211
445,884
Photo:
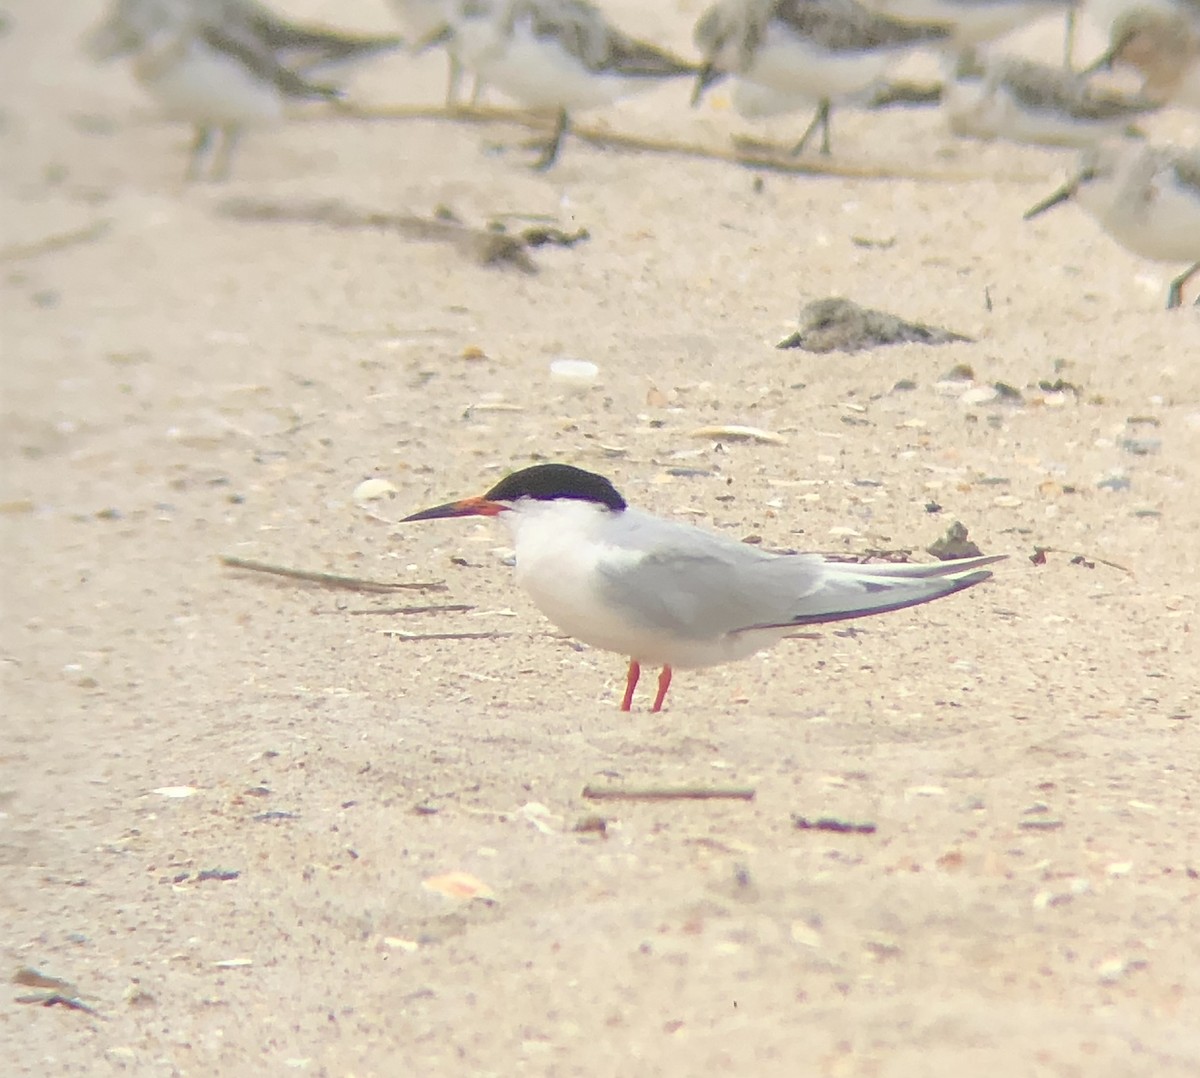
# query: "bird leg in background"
201,145
223,156
631,680
550,153
664,683
1069,40
454,86
821,119
454,82
1175,295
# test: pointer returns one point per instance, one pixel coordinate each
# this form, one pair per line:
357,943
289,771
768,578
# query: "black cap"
549,482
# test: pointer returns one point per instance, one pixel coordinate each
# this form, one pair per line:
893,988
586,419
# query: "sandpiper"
561,56
1005,97
1164,47
1146,197
818,51
433,22
224,65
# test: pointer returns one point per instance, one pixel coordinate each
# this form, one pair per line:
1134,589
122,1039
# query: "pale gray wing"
696,584
251,52
306,49
847,26
704,594
701,586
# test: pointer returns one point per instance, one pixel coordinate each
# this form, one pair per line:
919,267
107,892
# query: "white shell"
576,374
371,490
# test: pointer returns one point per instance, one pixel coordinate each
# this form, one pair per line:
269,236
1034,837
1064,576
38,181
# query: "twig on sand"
330,580
58,241
53,999
659,793
485,246
397,634
899,555
445,608
749,154
830,823
54,991
1038,557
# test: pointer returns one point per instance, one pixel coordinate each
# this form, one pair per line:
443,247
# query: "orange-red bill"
467,507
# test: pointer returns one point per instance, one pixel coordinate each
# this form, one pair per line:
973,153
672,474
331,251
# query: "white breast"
539,72
795,65
1159,221
199,83
560,549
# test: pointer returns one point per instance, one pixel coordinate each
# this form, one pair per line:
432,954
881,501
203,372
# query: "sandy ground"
178,385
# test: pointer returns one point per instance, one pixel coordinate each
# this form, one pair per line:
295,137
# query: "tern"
673,595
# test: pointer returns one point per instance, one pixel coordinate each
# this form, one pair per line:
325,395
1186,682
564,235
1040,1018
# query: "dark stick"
59,241
1039,552
681,793
769,159
398,635
447,608
329,580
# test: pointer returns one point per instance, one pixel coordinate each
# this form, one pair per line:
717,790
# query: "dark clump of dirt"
954,544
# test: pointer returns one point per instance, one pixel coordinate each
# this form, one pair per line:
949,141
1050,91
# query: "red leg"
664,683
631,680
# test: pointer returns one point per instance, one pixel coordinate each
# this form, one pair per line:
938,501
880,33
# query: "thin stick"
830,823
681,793
482,245
15,252
463,114
1039,552
329,580
759,155
53,999
447,608
397,634
746,154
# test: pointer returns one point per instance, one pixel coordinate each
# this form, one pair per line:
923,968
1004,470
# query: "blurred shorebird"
802,51
225,65
1146,197
1163,46
1005,97
433,22
558,56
